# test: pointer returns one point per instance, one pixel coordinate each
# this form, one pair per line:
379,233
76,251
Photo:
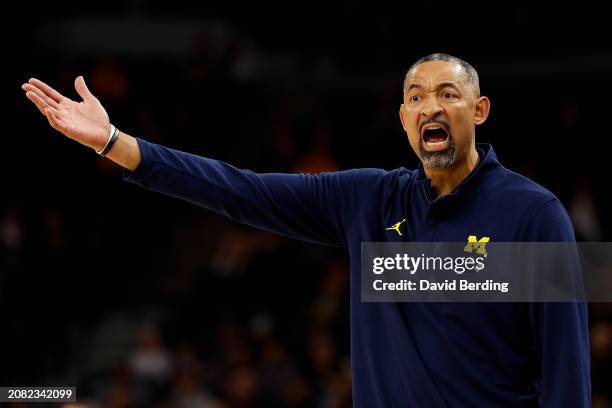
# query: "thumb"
81,88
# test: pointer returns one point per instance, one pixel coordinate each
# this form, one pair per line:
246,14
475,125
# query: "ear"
401,114
483,105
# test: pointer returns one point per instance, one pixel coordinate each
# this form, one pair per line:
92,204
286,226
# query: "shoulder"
515,186
368,189
374,178
378,174
543,215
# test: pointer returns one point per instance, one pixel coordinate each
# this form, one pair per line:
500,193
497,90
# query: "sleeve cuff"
144,167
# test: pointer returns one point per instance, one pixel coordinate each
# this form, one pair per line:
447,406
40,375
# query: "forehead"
433,72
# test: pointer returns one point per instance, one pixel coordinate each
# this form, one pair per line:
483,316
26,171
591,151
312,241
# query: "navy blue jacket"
413,354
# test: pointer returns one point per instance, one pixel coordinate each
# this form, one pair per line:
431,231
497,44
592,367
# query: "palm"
83,119
86,121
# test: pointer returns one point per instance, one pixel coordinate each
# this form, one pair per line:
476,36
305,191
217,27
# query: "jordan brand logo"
396,227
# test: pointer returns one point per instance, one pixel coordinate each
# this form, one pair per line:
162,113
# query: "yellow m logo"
480,245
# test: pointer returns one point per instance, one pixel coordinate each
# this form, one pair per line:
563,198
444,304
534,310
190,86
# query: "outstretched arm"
317,208
86,122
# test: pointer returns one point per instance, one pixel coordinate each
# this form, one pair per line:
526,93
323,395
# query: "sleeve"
560,329
314,208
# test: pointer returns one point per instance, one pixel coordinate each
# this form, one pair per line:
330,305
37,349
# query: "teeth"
432,127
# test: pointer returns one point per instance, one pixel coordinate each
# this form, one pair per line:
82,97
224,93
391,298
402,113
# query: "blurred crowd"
142,301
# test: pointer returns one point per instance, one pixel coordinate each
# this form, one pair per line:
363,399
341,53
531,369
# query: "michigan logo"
480,245
396,227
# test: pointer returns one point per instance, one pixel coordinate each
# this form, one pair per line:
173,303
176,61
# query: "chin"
442,159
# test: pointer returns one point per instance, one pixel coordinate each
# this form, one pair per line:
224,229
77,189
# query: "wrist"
101,138
111,137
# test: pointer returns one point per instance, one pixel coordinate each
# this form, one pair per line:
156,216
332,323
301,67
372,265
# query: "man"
403,354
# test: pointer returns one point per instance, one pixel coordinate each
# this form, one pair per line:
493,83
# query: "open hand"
86,121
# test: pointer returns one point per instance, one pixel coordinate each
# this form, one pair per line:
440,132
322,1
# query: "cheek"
461,125
410,122
413,137
411,126
412,131
414,140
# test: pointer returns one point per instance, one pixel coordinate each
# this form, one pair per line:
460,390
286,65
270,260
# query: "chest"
410,217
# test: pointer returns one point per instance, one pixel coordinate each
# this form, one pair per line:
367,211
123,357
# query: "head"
441,108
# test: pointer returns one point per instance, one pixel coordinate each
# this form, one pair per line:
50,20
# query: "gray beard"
438,160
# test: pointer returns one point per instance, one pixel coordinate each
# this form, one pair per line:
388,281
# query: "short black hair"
470,72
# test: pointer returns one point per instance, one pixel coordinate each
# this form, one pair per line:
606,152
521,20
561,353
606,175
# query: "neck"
443,181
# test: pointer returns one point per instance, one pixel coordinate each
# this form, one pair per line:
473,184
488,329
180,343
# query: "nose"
432,108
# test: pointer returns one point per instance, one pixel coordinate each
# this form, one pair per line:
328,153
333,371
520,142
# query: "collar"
485,168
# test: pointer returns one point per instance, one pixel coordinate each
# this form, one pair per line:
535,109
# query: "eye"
448,95
415,98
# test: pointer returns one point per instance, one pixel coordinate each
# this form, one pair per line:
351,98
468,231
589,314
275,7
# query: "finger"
54,120
53,111
81,88
41,94
38,101
50,92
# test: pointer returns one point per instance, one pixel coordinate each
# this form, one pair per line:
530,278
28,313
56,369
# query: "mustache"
440,121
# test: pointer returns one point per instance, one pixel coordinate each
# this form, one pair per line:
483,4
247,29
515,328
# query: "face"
440,112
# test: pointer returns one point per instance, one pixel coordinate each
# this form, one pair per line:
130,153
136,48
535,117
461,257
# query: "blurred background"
140,300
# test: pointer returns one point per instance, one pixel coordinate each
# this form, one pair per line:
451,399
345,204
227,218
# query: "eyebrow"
441,85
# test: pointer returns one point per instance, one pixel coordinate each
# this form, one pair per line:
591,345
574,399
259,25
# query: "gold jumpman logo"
396,227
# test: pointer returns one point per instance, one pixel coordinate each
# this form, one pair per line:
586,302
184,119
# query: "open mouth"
435,137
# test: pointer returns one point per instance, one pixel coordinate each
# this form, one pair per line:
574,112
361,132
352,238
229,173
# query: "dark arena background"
140,300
